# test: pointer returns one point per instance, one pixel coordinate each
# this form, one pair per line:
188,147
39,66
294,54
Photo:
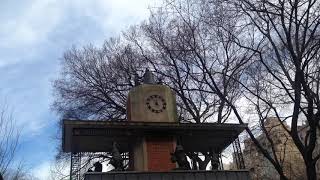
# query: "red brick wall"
158,154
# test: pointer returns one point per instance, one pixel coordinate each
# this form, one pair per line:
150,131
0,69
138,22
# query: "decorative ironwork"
75,166
238,154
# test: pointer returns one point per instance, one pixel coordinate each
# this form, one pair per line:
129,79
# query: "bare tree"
215,55
185,49
287,48
164,41
8,142
276,65
94,82
225,47
271,51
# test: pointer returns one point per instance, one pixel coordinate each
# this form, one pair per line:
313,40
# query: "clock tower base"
153,154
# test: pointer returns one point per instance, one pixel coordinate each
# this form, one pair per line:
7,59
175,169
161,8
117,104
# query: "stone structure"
150,102
170,175
150,134
285,149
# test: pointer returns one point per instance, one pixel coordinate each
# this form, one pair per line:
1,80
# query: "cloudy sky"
33,36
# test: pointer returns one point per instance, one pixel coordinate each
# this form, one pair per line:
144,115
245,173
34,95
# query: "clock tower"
150,137
151,102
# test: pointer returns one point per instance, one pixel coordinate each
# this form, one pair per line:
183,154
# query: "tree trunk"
281,173
283,177
311,171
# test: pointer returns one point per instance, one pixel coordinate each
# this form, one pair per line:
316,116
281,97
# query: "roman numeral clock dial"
156,103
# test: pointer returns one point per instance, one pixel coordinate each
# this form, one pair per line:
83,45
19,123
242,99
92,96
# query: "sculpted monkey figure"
180,157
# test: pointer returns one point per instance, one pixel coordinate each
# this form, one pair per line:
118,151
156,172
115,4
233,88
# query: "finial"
148,77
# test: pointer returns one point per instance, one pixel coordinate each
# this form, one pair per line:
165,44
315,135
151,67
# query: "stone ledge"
170,175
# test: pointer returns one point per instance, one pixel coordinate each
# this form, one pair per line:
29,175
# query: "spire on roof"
148,77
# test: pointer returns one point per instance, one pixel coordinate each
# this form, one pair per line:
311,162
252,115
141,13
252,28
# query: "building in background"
284,148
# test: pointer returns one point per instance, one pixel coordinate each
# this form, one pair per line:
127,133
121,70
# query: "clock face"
156,103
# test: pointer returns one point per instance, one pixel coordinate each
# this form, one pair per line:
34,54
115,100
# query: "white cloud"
124,12
42,171
51,170
31,25
29,29
41,26
33,35
40,17
21,35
